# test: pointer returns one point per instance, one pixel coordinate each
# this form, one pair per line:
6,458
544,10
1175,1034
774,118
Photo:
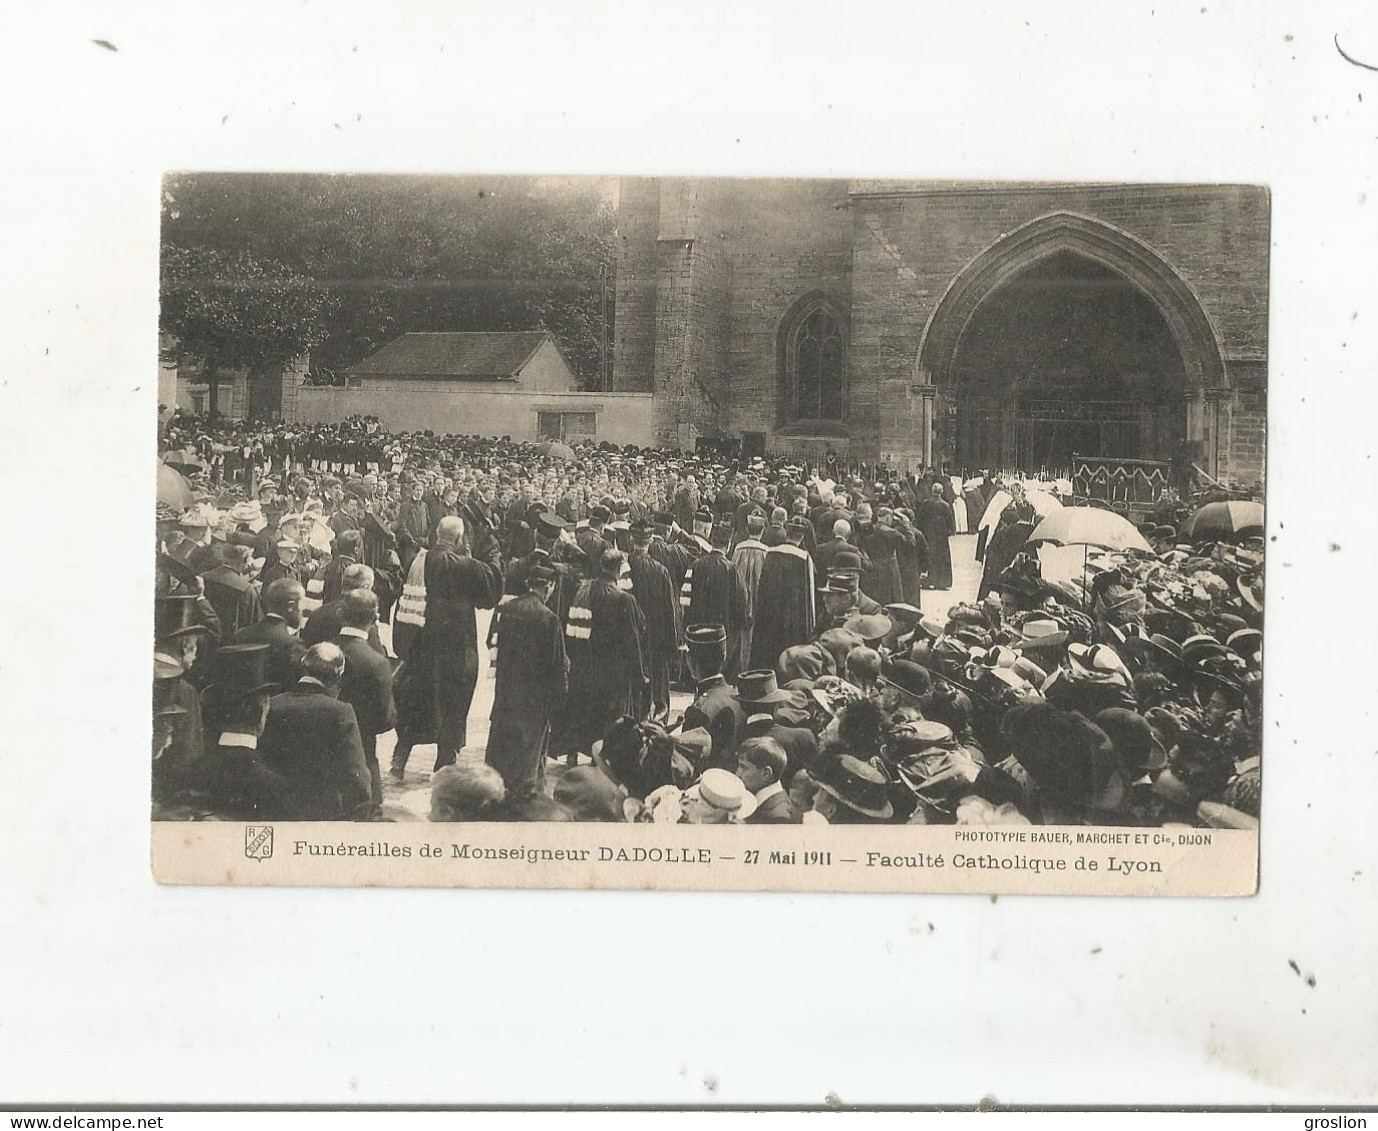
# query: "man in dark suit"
312,740
760,763
841,543
278,629
367,682
324,624
228,590
716,707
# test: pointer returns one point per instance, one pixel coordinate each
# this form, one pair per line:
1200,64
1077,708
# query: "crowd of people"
789,601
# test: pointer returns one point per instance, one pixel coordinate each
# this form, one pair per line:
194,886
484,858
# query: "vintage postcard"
693,533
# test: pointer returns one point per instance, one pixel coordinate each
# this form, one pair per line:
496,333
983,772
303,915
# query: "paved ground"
412,794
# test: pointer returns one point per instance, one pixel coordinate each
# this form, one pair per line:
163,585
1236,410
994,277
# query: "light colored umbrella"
173,489
1043,503
1237,518
1089,526
991,515
184,462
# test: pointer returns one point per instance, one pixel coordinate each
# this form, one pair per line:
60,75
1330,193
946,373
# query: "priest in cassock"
935,522
784,611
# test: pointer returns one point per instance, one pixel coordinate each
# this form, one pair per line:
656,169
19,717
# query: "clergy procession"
352,625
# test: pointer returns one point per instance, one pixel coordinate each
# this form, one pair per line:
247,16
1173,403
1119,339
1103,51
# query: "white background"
112,988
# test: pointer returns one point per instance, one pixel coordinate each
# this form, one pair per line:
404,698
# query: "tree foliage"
350,263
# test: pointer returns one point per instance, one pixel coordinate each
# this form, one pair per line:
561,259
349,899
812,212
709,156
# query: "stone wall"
709,269
414,406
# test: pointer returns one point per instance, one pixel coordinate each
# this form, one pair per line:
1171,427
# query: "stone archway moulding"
1094,239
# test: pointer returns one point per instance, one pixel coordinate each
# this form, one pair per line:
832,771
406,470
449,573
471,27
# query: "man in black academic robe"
532,677
715,593
607,677
784,599
446,652
656,596
935,521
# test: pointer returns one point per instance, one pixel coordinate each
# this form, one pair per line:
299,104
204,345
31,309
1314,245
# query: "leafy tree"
232,310
394,254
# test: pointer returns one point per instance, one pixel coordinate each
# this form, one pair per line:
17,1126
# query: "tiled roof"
472,357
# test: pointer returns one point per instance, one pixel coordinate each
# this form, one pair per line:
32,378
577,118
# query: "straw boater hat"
1040,632
724,791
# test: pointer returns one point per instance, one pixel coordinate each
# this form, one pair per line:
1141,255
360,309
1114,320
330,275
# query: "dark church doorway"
1067,357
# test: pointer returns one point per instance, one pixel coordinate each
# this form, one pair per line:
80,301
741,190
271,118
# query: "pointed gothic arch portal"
1069,337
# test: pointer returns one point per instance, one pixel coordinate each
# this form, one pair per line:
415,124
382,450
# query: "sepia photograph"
702,557
693,501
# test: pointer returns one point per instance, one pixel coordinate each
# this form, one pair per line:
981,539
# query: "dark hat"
907,676
759,687
663,518
599,513
1064,752
1136,746
804,662
239,670
622,506
857,785
722,535
175,616
705,635
841,583
799,522
703,515
846,561
640,528
759,725
906,616
549,525
165,698
542,573
871,628
358,489
1164,646
589,795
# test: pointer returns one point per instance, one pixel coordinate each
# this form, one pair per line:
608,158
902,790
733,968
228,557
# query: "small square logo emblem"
258,841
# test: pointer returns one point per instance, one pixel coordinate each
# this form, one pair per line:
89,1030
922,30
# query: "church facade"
966,325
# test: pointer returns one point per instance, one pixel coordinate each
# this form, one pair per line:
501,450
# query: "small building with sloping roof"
515,384
518,361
